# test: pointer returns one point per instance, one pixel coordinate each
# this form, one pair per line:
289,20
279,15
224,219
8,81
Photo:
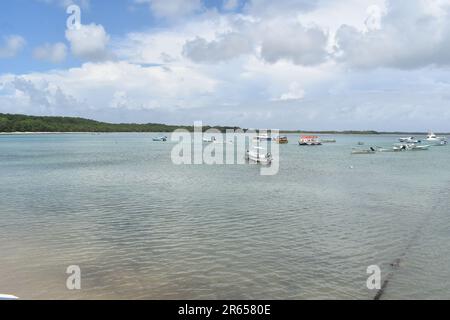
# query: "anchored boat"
309,141
162,139
435,140
409,140
259,155
282,140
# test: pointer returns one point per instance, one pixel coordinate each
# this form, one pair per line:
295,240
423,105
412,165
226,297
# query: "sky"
288,64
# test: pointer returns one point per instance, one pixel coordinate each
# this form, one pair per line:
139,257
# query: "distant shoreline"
281,132
17,124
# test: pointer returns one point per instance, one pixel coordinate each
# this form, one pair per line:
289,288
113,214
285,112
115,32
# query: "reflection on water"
142,228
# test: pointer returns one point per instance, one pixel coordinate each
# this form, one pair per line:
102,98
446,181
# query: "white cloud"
293,42
55,53
172,9
163,45
270,8
11,46
295,92
226,47
21,95
411,34
97,86
89,42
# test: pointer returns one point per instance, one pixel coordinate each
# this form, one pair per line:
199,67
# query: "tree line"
23,123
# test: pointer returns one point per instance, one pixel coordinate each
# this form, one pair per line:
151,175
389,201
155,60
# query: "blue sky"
311,64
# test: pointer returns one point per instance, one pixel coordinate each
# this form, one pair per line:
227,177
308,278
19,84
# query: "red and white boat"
309,141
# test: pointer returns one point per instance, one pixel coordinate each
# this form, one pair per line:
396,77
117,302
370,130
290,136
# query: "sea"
139,226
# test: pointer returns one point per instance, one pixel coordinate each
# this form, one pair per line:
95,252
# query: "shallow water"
140,227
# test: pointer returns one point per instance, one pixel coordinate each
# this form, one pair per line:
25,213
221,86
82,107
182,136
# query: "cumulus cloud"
55,53
295,92
172,9
89,42
295,43
11,46
97,86
226,47
411,34
276,39
21,95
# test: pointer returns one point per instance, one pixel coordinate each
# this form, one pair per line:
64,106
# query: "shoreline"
281,132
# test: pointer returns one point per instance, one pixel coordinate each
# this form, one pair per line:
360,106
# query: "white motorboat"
259,155
409,147
160,139
400,147
8,297
409,140
435,140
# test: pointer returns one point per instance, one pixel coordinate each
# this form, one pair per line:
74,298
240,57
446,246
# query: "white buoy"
8,297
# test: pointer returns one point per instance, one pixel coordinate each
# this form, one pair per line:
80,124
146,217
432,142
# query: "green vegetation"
10,123
22,123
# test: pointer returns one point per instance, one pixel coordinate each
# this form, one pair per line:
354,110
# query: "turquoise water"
140,227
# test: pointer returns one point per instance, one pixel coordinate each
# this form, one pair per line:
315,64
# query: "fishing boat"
282,140
309,141
160,139
364,151
400,147
259,155
409,147
8,297
435,140
409,140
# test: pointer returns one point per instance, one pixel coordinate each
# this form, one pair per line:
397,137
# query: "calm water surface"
142,228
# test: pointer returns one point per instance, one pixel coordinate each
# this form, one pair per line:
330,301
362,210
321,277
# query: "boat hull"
309,144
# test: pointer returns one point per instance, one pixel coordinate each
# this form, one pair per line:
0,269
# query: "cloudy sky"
288,64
